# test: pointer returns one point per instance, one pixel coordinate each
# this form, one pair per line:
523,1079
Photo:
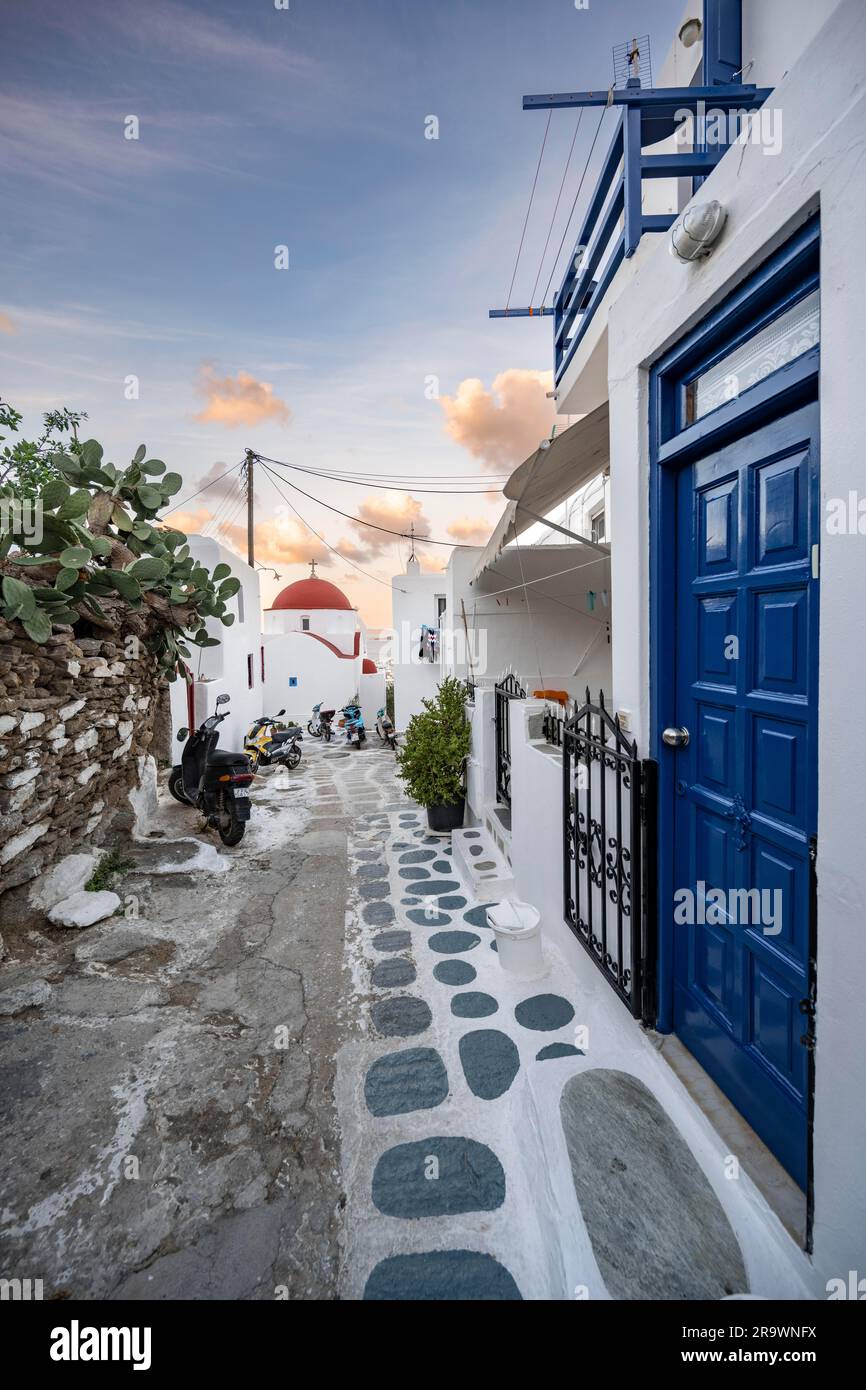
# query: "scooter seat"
220,757
284,735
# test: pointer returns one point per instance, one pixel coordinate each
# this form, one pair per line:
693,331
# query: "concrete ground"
168,1120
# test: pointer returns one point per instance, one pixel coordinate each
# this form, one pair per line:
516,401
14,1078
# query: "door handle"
675,738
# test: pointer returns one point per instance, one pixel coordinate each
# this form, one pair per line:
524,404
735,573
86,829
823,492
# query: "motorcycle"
385,729
215,782
266,746
320,724
353,724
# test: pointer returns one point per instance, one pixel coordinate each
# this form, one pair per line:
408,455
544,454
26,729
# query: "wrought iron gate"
508,689
609,826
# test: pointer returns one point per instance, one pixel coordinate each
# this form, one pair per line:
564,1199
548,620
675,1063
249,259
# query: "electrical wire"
327,544
574,204
177,506
234,494
529,209
556,204
387,487
396,477
359,521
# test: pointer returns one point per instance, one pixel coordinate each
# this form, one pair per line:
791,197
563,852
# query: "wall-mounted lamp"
695,232
690,32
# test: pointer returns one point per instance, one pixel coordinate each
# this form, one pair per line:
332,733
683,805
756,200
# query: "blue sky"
261,127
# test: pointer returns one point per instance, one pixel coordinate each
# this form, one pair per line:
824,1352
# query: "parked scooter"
385,729
320,724
217,783
266,746
353,724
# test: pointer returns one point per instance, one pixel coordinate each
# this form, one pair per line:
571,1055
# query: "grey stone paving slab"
473,1004
490,1062
450,943
553,1050
441,1176
418,856
477,916
434,886
401,1017
441,1275
452,901
414,871
378,914
392,941
544,1013
401,1082
375,870
435,919
454,972
387,974
379,888
658,1230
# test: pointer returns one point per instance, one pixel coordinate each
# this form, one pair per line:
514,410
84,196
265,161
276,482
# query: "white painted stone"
64,878
83,909
21,997
123,748
21,778
87,773
108,721
7,723
129,704
124,729
101,672
74,669
20,797
144,702
88,739
56,744
19,843
31,719
69,711
117,668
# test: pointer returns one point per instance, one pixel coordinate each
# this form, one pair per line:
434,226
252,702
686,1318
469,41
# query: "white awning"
547,478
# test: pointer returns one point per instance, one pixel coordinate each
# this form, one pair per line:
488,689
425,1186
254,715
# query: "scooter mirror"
282,711
182,735
222,699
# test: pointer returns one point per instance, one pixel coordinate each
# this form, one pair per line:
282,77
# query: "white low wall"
481,767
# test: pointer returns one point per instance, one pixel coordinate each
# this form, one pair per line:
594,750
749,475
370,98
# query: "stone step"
480,864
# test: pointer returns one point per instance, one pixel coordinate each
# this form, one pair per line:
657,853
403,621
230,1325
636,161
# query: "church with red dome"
315,643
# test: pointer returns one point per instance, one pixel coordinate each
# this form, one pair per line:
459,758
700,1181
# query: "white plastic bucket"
517,928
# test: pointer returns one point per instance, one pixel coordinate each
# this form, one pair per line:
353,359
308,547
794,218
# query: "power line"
400,480
387,487
359,521
574,204
556,204
529,209
321,538
178,505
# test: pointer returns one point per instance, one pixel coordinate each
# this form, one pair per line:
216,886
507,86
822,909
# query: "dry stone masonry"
76,715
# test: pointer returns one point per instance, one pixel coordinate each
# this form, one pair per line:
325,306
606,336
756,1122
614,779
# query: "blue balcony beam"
607,174
658,221
576,303
542,312
657,99
564,354
674,166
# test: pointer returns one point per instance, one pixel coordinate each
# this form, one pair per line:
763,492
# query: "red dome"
308,594
368,667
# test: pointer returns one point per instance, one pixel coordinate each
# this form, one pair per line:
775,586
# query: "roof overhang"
561,573
547,478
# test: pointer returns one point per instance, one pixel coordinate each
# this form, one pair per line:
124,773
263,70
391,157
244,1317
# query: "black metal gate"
609,824
508,689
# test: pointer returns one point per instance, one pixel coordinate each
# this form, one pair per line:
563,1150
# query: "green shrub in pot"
432,756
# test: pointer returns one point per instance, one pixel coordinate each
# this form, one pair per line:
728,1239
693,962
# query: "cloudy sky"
261,127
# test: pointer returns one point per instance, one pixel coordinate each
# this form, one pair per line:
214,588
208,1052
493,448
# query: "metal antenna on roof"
412,533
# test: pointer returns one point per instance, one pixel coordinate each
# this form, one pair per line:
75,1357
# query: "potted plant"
432,756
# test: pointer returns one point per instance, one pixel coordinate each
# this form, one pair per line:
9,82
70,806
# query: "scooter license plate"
241,792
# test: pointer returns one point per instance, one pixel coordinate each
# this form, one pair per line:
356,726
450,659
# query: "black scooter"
217,783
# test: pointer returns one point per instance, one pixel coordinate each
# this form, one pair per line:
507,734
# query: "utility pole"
249,488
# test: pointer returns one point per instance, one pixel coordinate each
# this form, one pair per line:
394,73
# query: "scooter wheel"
314,733
233,832
175,786
293,757
327,735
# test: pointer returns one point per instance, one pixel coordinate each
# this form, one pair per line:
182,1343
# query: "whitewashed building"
693,841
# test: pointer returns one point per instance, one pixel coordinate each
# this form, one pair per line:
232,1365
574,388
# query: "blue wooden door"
746,782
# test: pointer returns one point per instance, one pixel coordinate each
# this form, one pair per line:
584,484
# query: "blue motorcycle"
353,724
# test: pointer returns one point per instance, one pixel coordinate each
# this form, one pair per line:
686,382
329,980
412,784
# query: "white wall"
224,669
337,625
413,603
372,696
321,675
767,197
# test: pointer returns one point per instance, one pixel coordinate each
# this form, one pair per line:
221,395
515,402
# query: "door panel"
746,783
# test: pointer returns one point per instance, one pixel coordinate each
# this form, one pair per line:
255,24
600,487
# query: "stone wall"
76,714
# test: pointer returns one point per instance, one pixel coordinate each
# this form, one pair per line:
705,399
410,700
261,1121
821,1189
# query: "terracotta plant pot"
448,817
